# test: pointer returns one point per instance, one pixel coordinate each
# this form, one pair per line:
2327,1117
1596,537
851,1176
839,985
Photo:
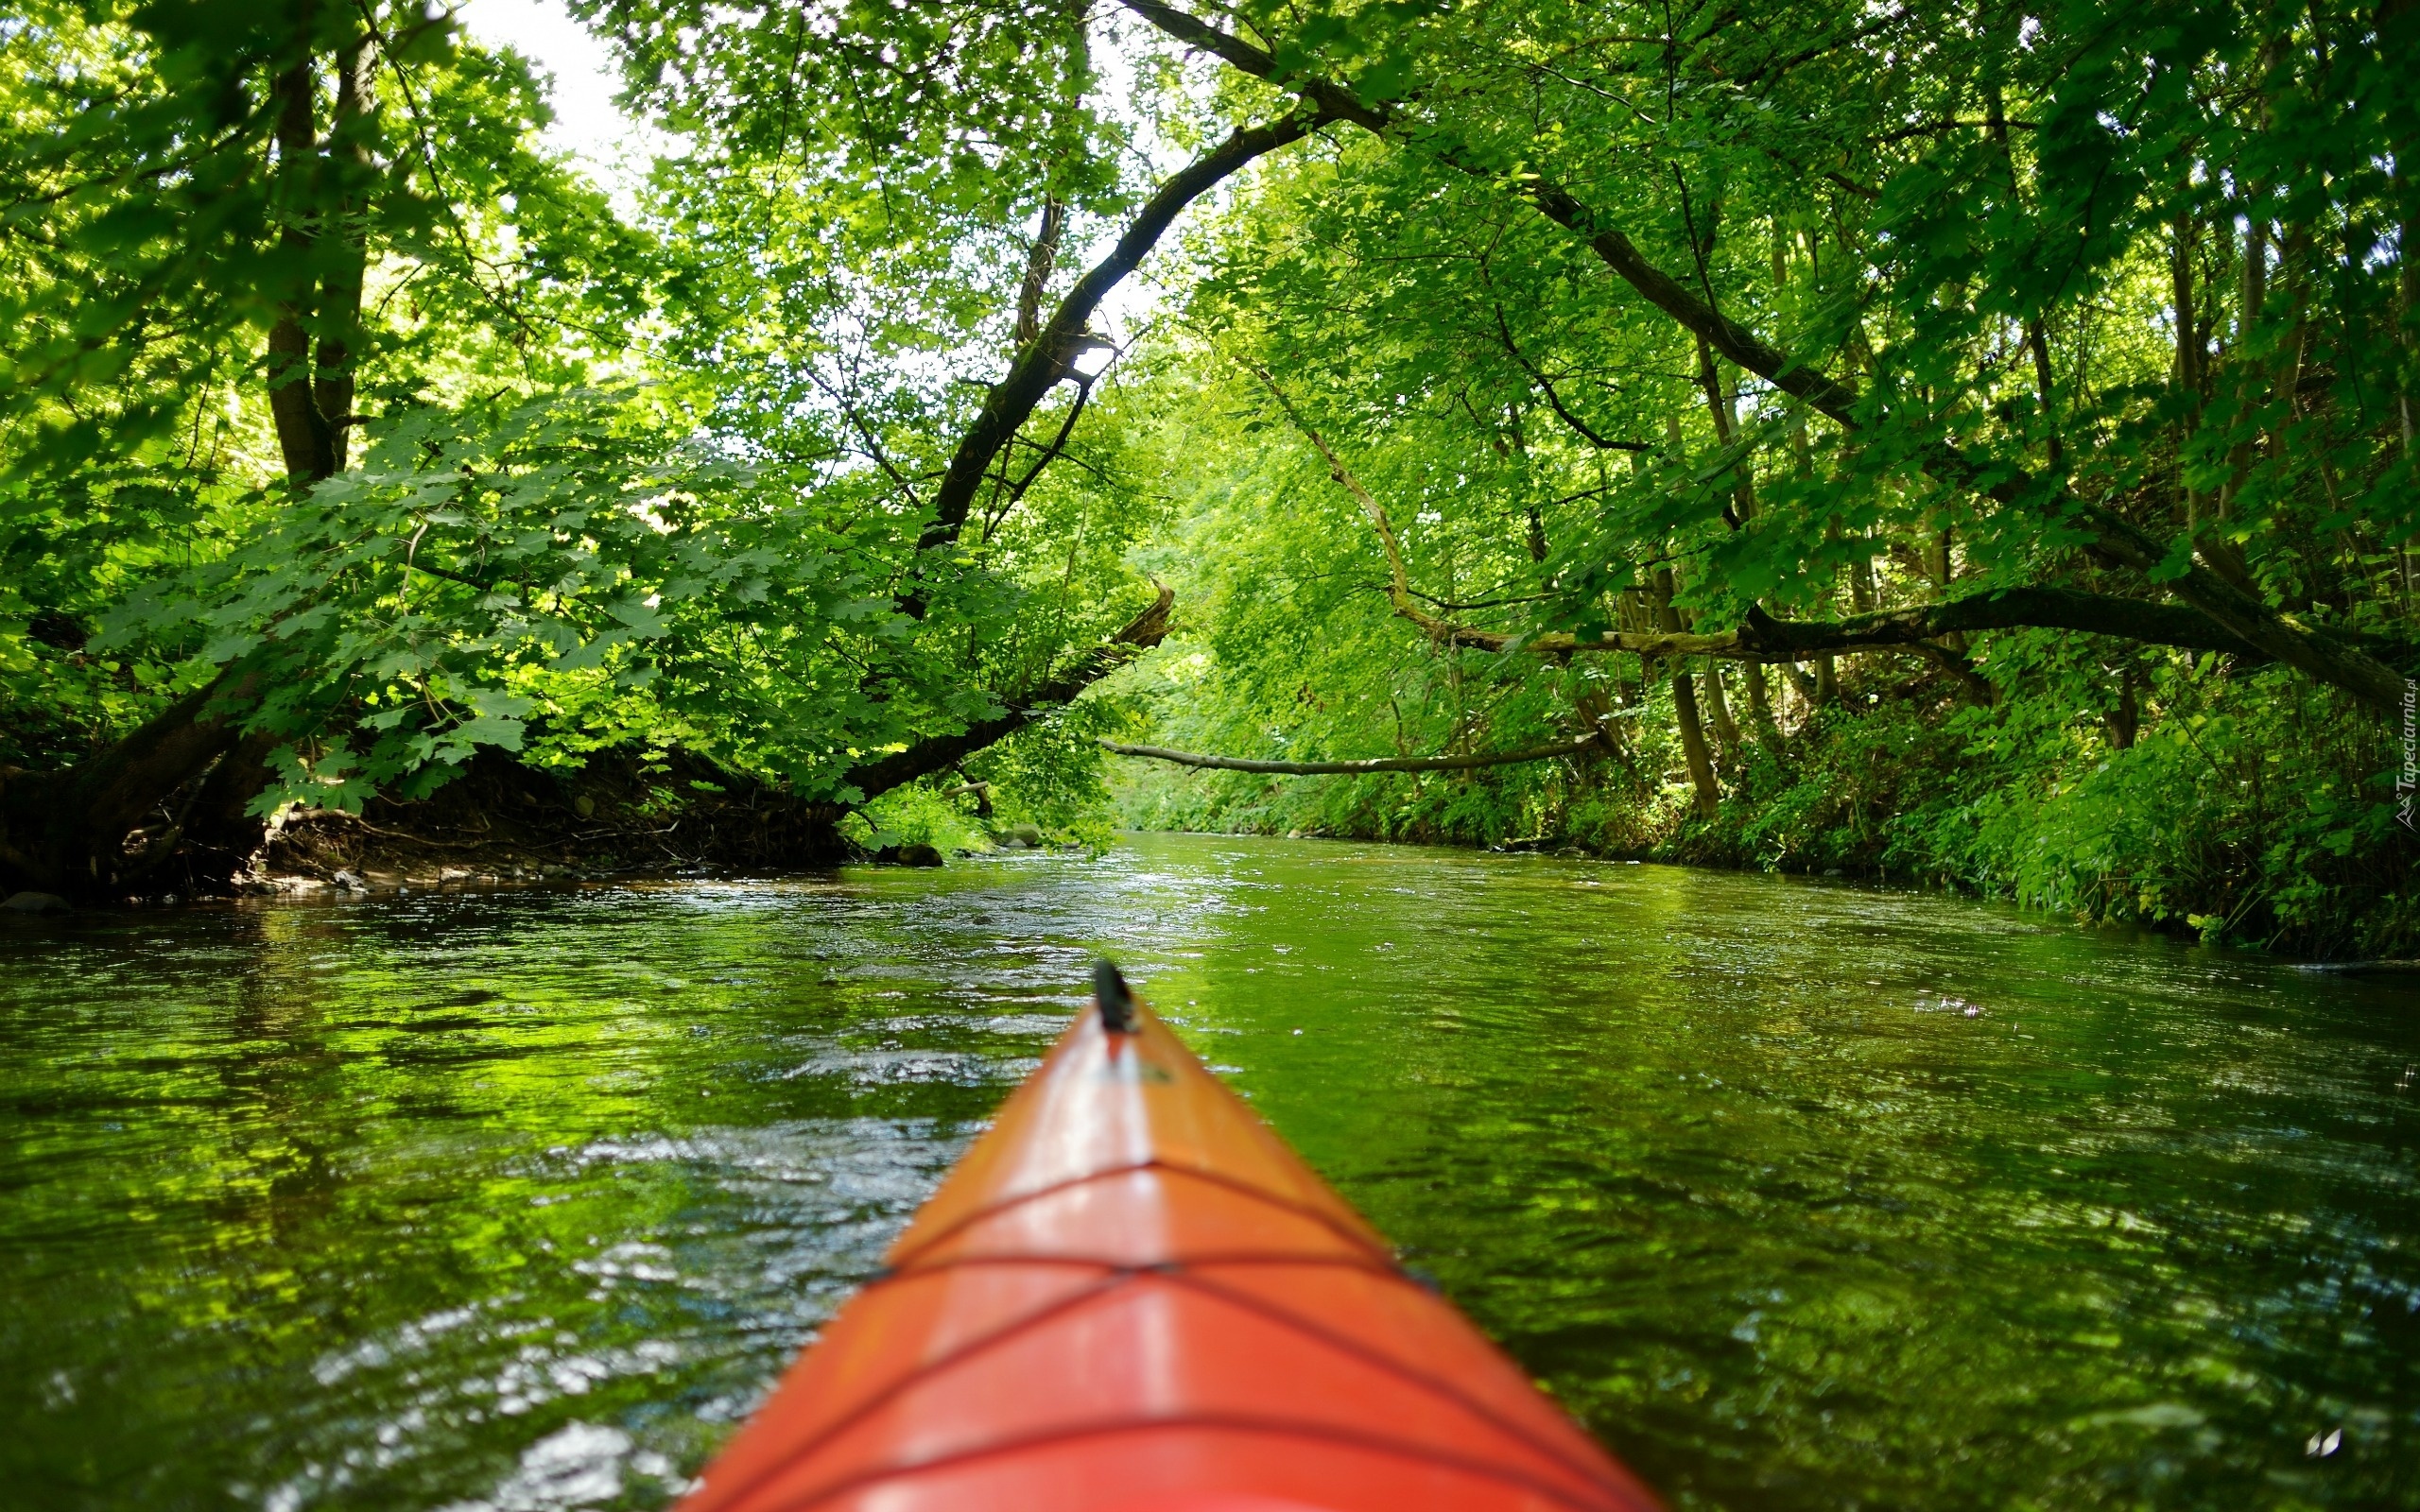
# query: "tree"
1505,366
200,197
1945,254
371,626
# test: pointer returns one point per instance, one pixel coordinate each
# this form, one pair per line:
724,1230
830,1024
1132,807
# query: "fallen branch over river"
1376,764
1916,628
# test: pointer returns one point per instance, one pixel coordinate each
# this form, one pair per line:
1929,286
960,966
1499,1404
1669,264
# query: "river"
1802,1196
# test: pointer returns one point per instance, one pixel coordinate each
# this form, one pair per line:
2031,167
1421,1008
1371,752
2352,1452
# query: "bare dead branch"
1379,764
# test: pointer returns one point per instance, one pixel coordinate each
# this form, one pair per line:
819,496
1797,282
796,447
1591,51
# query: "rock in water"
919,855
1026,835
38,903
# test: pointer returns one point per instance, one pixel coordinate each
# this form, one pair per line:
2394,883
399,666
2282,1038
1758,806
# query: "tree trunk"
1693,746
1685,702
303,436
1861,589
2189,354
1801,684
1597,711
100,827
1721,404
1942,560
311,392
339,303
1721,400
116,822
1761,707
223,832
2127,716
1719,707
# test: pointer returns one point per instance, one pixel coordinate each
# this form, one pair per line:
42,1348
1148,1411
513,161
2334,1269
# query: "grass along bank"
2249,809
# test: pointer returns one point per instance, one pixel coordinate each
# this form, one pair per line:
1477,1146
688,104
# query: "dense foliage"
349,433
1962,446
1808,331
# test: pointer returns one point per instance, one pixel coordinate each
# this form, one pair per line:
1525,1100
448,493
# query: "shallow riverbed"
1802,1196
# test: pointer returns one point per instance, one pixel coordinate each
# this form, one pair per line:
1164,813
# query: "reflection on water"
1801,1195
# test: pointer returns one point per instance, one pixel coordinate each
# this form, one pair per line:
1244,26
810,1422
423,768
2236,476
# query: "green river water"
1801,1195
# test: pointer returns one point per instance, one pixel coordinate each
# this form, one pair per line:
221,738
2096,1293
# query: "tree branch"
856,420
1766,639
942,752
2322,656
1399,591
1554,400
1038,265
1050,453
1042,362
1380,764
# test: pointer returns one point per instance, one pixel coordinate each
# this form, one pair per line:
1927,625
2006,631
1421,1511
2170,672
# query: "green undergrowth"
1048,779
2254,810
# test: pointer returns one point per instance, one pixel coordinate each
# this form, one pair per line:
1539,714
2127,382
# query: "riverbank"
2258,817
624,813
2255,816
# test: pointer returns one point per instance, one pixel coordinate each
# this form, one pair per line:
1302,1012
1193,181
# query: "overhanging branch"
1379,764
1042,361
942,752
2322,655
1912,628
1554,400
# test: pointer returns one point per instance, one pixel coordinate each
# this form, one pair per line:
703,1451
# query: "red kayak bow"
1132,1297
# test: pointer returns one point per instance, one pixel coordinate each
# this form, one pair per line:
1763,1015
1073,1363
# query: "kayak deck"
1130,1295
